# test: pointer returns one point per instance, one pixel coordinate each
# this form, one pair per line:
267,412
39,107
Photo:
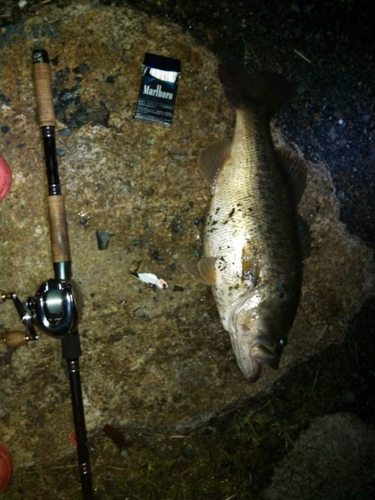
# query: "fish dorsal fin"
295,170
211,160
203,270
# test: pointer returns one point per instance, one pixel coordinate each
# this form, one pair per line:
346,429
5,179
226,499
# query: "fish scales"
252,253
252,203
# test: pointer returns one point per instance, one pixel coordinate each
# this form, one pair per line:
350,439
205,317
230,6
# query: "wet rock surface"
152,358
333,459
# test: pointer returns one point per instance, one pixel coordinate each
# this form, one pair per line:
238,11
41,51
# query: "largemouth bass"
252,250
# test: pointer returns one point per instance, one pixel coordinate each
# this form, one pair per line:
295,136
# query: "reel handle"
56,309
15,338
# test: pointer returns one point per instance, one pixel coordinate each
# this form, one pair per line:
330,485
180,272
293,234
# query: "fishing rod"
57,306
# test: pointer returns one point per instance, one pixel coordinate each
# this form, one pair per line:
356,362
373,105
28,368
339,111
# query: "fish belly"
251,227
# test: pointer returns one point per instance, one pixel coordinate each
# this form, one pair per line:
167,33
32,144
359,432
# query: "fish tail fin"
261,89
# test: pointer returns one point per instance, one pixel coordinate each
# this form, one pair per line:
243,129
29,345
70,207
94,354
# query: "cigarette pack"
158,90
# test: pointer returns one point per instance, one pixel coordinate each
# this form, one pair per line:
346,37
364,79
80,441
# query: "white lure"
152,280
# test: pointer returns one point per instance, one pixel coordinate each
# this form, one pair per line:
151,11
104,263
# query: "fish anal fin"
304,237
211,160
294,168
202,270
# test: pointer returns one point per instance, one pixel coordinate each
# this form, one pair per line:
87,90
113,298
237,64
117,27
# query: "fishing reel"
56,309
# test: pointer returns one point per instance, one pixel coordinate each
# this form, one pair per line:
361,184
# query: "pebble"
103,239
81,68
65,132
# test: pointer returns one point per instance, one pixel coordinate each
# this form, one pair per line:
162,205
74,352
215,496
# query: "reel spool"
56,309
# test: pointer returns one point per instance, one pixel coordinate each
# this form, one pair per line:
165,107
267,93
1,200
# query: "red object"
5,178
73,438
6,468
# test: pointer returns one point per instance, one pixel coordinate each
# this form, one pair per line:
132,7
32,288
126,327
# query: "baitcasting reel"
56,309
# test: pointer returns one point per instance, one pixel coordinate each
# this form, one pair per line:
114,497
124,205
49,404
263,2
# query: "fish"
254,239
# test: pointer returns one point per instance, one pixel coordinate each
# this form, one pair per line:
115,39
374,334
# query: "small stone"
65,132
81,68
176,225
68,99
79,117
103,239
140,313
5,100
60,77
155,255
110,79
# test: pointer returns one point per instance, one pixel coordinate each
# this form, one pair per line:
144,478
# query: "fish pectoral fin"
203,270
211,160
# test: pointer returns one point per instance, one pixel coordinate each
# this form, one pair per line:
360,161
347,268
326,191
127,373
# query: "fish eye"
282,342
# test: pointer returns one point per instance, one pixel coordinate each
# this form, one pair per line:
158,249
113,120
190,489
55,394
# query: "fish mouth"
263,353
250,368
255,373
250,358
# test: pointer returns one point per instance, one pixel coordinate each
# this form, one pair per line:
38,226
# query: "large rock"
152,359
334,459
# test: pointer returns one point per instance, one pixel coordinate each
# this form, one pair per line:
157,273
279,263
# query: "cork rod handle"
58,229
46,118
43,86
